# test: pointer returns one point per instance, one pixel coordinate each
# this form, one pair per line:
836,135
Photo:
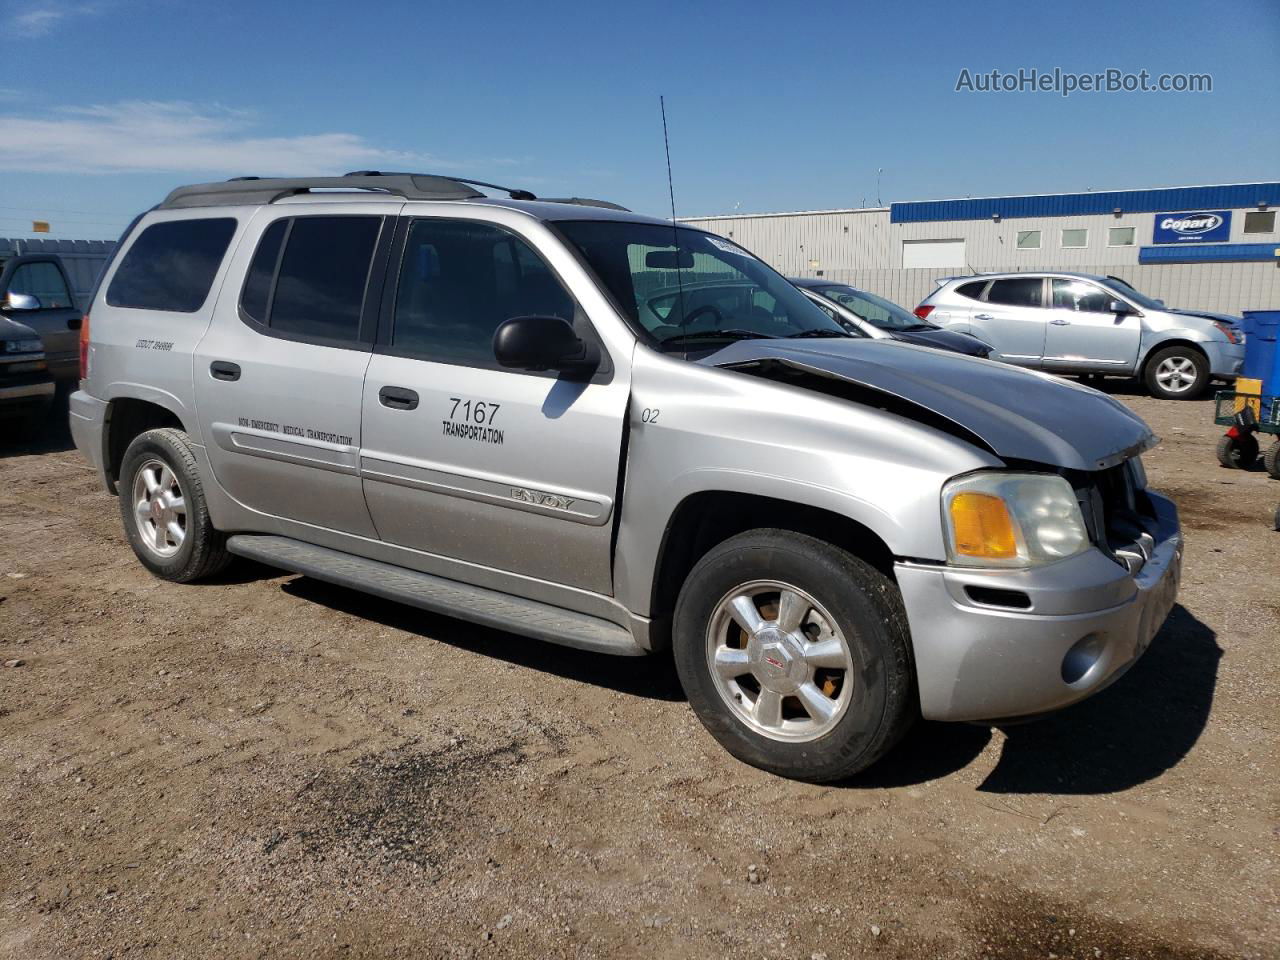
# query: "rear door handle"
74,323
398,398
983,316
1061,323
224,370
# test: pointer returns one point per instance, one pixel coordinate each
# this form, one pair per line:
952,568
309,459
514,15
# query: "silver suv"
496,409
1084,324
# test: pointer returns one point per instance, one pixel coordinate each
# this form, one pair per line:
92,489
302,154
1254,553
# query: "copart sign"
1204,226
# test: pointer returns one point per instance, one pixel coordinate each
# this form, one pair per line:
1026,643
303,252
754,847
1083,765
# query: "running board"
476,604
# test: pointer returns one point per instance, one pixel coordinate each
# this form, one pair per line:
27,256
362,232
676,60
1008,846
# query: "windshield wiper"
817,333
730,334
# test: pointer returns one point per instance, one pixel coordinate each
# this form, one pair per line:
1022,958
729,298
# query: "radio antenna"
671,192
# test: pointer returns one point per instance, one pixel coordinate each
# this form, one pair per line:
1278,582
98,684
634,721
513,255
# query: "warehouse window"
1260,221
1072,239
1120,237
1028,239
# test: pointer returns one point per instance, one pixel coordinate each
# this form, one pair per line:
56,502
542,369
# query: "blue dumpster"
1261,358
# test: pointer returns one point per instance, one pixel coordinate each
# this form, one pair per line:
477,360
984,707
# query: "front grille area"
1120,518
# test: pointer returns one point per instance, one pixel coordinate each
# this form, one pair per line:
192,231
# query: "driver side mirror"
21,302
543,343
1120,308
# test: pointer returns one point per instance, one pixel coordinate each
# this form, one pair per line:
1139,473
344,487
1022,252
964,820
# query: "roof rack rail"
249,190
513,192
587,202
410,186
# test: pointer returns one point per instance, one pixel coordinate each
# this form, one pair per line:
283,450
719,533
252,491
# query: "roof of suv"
363,185
944,281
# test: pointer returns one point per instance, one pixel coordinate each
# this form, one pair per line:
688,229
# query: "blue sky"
107,104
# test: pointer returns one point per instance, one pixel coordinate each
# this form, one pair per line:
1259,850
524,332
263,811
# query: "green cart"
1246,415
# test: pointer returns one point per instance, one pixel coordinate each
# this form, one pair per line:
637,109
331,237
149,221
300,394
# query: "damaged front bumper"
996,644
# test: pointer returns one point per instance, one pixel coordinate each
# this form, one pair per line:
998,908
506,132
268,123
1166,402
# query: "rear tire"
165,514
1272,460
1237,453
821,688
1177,373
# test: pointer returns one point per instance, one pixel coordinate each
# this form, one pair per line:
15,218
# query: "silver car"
1084,324
500,409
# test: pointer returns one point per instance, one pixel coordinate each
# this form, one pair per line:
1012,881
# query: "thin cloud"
180,137
41,19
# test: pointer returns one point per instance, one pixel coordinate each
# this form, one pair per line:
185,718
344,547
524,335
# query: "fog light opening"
1082,657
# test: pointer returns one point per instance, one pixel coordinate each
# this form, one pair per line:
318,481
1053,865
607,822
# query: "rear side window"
972,290
309,276
1016,292
171,265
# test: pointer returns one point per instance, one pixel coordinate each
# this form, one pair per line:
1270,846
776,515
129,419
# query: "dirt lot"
268,766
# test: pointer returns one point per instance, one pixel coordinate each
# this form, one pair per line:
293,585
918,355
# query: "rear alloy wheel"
1237,453
163,507
794,655
1177,373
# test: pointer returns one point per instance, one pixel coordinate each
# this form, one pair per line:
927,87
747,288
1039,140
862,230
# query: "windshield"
1141,299
701,295
877,311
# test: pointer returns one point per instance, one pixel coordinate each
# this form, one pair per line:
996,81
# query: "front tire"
162,504
795,655
1177,373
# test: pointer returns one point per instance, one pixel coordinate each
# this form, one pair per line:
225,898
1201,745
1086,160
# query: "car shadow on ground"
652,678
1132,732
52,435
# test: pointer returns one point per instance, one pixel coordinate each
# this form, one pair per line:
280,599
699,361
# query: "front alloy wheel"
779,660
1177,373
794,654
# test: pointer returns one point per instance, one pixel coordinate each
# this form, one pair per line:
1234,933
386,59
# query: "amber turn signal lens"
983,527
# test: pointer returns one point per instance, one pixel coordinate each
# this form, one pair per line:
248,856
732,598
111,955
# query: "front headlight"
998,519
1230,331
22,346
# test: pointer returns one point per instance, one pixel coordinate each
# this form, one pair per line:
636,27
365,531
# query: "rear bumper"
88,419
1225,359
1089,620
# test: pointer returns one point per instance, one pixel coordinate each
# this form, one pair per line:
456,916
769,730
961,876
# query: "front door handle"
983,316
1061,323
224,370
398,398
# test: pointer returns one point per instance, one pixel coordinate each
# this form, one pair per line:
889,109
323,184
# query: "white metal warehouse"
1210,248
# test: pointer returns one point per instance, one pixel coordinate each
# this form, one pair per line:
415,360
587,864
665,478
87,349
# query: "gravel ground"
269,766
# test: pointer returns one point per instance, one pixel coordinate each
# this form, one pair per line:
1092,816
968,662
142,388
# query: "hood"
13,330
941,339
1206,315
1017,414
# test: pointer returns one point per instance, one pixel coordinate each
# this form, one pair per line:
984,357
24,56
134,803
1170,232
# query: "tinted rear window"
320,287
1020,292
171,265
971,290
